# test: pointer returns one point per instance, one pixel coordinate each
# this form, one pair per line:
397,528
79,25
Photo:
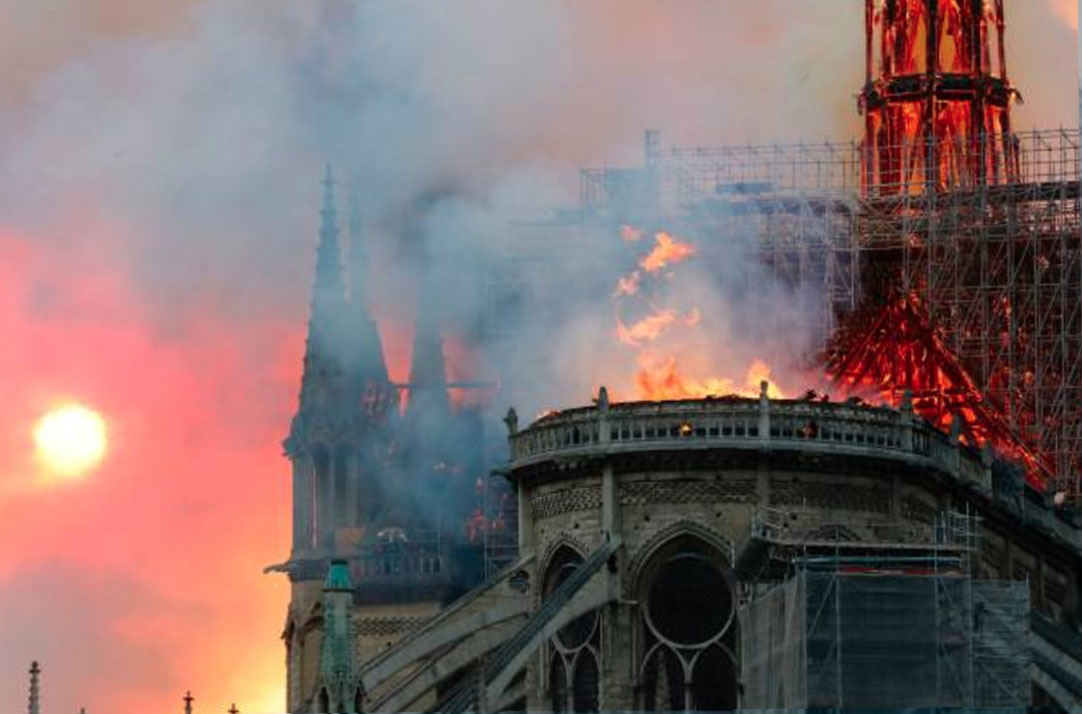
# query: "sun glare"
70,440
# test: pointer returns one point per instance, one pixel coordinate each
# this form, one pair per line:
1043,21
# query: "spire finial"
188,699
328,290
35,692
233,709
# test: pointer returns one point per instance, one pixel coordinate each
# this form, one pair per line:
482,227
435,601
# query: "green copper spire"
337,672
338,579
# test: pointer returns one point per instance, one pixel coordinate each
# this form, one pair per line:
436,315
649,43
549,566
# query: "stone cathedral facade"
370,557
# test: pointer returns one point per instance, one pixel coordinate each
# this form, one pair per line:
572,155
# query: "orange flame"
646,329
667,251
659,378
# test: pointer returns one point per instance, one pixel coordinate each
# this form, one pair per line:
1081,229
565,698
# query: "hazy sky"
159,167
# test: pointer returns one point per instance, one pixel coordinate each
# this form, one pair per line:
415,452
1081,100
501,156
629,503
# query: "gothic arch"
545,561
686,630
571,654
663,537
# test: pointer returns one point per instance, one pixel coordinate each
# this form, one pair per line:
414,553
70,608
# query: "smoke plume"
159,194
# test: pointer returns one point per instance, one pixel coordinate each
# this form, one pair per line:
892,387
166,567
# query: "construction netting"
856,640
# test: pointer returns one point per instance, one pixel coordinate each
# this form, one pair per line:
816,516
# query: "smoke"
181,145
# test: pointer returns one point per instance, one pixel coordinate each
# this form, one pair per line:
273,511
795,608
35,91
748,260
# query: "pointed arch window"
688,629
574,664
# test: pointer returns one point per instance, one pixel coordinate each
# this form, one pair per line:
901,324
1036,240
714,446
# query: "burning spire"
936,99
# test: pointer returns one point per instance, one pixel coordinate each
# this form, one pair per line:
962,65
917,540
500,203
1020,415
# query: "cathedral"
383,475
692,555
733,551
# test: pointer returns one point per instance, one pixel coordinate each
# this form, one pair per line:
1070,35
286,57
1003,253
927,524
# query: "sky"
159,195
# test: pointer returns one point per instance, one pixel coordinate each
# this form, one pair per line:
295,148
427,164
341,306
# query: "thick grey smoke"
183,143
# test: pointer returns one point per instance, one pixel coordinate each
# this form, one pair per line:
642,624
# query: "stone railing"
736,422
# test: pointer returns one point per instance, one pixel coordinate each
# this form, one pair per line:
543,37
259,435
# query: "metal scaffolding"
852,630
996,268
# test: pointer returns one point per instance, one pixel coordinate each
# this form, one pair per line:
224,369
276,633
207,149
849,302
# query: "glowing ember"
630,234
667,251
897,353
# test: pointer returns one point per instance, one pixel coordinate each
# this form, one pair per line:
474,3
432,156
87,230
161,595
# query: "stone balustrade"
736,422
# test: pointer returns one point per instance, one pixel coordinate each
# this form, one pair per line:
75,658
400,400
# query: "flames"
666,251
662,380
675,351
896,352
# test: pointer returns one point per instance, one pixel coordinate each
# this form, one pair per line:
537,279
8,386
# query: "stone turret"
338,690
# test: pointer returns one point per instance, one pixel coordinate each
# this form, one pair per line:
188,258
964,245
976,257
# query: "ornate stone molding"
568,500
642,493
388,626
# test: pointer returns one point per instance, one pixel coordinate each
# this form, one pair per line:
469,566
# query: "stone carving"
387,626
641,493
570,500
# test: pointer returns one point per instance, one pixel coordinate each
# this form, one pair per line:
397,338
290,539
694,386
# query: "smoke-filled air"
160,195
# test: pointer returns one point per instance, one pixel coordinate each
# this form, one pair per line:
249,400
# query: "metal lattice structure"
942,212
996,268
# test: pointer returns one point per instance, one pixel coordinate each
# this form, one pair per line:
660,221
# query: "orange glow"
627,285
660,378
193,431
676,354
463,365
630,234
667,251
646,329
897,353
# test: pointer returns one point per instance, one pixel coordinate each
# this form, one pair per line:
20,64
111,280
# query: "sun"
70,440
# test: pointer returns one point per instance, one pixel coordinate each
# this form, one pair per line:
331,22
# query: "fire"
660,379
647,329
896,352
667,251
677,352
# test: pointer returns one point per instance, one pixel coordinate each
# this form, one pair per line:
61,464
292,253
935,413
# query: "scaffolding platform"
834,638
